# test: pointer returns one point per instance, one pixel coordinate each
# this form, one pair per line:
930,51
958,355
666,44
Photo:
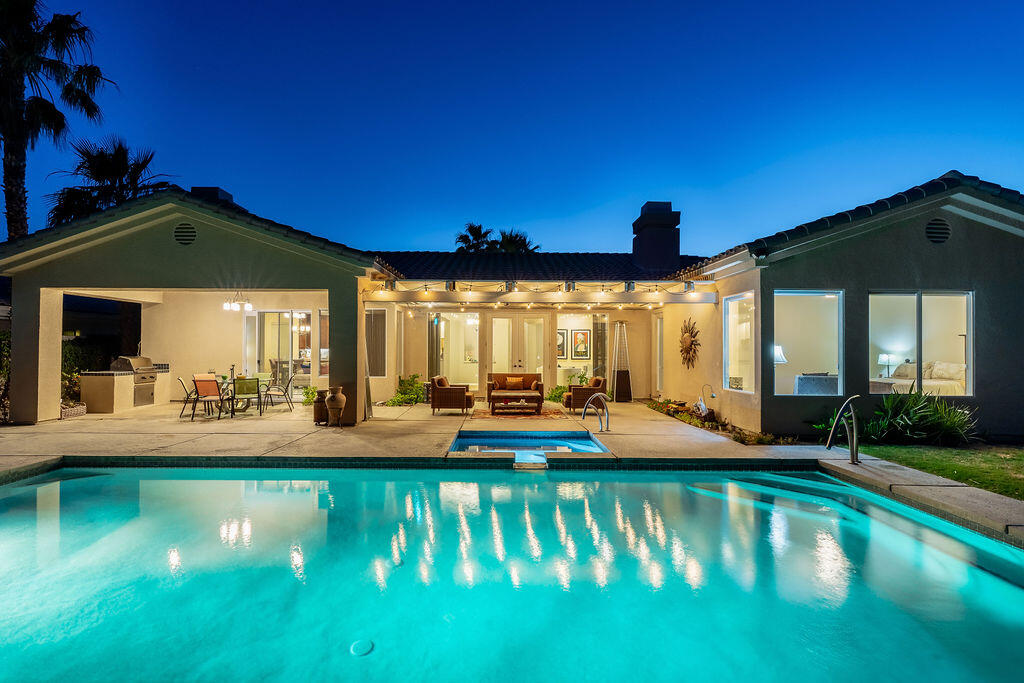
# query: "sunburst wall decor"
689,344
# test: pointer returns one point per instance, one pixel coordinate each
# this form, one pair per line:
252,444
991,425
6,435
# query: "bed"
938,378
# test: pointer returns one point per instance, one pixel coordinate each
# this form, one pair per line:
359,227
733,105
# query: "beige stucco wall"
383,388
742,409
193,333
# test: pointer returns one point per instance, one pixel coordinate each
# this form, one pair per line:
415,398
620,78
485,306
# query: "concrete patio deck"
410,436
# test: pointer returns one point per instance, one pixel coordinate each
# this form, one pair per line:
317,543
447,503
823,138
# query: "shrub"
556,393
914,418
308,395
410,391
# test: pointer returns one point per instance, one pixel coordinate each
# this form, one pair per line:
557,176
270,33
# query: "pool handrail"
850,425
603,425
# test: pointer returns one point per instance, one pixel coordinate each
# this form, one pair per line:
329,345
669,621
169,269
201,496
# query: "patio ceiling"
653,293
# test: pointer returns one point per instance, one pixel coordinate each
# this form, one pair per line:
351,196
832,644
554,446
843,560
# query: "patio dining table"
227,385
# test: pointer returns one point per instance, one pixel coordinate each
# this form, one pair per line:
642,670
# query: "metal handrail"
604,425
850,425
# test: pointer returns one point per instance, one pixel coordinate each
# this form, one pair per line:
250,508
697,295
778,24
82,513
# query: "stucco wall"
739,408
976,258
193,334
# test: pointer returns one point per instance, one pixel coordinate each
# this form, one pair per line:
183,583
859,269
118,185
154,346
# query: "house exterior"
912,291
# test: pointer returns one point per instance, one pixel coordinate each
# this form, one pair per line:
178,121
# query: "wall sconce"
569,286
449,286
629,286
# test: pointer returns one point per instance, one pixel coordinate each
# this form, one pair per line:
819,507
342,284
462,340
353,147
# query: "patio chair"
277,391
265,378
189,395
209,392
247,388
577,395
445,396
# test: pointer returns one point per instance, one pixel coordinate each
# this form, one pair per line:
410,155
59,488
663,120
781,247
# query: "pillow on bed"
943,370
905,371
926,369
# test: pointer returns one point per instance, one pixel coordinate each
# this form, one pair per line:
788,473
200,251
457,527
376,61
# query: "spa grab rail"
603,425
848,416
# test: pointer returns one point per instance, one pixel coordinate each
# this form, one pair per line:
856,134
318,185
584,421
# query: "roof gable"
947,183
48,243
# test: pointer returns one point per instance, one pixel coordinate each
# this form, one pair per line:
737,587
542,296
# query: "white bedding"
936,387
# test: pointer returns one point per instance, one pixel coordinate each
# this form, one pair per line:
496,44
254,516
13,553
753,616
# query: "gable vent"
937,231
185,234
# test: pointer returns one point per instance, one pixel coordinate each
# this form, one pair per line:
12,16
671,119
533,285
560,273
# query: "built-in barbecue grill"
145,376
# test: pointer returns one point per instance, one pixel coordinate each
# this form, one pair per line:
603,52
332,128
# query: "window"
659,341
921,342
807,350
738,342
376,342
325,343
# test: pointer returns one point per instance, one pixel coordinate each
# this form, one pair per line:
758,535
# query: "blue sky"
389,125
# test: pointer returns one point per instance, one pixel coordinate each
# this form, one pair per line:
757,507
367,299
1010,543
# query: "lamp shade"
780,357
886,359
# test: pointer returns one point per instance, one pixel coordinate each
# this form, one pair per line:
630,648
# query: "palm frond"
43,118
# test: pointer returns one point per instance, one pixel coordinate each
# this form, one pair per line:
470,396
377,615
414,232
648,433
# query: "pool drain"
361,648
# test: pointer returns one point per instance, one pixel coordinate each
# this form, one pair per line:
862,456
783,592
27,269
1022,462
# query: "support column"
36,318
348,350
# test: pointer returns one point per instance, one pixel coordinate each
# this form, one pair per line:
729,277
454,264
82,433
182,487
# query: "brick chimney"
656,237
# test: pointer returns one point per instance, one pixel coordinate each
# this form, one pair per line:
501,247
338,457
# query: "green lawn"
996,468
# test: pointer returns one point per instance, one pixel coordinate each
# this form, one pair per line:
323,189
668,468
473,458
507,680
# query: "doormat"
545,413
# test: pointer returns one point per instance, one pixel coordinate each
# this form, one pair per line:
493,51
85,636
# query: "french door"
517,343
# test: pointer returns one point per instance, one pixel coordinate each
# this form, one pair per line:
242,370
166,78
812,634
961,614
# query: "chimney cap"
213,194
656,215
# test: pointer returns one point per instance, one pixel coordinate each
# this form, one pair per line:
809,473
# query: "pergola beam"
574,298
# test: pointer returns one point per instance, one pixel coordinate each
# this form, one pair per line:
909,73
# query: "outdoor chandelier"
237,302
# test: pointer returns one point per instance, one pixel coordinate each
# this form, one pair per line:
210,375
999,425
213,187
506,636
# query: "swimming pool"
493,575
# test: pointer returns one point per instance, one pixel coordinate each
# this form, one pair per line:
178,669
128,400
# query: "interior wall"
192,333
807,329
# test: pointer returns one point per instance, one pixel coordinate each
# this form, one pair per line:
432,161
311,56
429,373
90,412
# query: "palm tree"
40,61
111,175
513,242
474,239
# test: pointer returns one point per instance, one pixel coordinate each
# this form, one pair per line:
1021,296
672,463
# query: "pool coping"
987,513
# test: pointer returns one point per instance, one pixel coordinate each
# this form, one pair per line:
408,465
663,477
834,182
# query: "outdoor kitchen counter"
112,391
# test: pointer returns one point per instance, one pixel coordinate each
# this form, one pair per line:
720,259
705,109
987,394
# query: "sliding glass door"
280,343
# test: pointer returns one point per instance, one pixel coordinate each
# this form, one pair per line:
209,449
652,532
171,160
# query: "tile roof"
947,181
451,265
222,206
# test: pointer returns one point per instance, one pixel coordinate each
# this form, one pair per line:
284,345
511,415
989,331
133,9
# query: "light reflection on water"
802,548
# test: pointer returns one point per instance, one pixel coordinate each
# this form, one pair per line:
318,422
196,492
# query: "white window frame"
725,341
839,293
919,295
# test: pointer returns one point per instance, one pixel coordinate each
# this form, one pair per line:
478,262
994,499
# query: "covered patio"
220,290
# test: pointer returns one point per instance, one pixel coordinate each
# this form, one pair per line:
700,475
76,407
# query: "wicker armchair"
577,395
445,396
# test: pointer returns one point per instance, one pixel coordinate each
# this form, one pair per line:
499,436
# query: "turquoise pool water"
487,575
573,442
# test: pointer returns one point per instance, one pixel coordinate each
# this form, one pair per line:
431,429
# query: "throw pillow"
943,370
514,383
442,382
499,381
533,385
905,371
